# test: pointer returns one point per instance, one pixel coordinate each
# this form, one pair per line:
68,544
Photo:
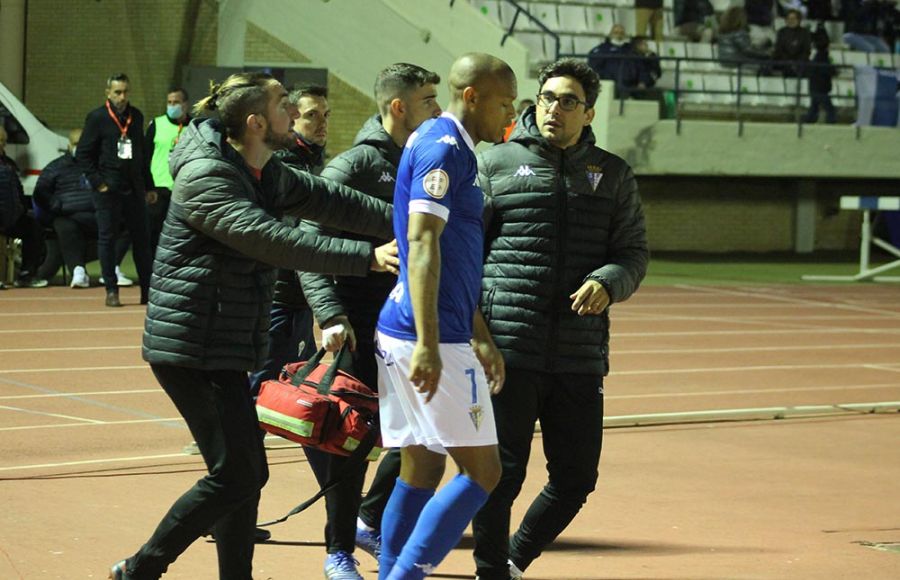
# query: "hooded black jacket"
212,283
369,166
554,219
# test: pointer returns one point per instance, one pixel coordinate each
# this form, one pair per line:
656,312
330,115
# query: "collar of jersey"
462,130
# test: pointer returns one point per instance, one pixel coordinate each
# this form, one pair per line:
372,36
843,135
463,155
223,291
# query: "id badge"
124,148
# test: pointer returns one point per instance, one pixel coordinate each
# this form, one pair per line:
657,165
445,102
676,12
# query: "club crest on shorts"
476,414
436,183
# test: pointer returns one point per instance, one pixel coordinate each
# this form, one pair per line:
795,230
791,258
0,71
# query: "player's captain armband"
436,183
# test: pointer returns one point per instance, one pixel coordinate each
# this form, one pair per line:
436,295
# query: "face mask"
174,111
617,41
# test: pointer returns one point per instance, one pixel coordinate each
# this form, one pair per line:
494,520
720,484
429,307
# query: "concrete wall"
74,45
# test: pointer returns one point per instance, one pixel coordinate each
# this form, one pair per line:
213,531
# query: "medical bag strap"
324,386
354,460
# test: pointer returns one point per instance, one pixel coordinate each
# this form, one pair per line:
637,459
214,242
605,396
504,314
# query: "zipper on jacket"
558,279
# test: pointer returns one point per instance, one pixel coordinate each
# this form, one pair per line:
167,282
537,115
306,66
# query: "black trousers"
75,231
220,414
113,209
29,231
156,215
822,100
570,410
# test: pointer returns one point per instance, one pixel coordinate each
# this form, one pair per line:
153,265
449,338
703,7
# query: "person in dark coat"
347,308
17,221
209,302
820,75
610,61
793,42
565,239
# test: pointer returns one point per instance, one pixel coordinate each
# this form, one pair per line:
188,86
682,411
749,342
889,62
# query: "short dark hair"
578,70
398,79
117,78
241,94
300,91
182,90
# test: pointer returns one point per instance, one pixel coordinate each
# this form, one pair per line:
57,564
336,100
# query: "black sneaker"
30,282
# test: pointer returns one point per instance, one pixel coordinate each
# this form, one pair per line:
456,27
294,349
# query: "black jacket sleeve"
149,147
88,152
46,186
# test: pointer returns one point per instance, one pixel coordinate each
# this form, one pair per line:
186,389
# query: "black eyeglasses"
566,102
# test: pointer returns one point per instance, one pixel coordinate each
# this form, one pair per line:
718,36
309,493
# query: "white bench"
866,204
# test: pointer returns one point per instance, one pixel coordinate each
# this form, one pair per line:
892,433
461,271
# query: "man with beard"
210,298
565,238
406,95
111,154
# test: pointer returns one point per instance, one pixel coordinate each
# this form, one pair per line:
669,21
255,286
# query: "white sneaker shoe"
121,279
80,278
514,572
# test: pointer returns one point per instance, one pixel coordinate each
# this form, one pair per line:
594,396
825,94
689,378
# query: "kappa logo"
428,569
449,140
524,171
386,177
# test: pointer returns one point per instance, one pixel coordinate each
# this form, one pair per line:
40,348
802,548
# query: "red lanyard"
115,119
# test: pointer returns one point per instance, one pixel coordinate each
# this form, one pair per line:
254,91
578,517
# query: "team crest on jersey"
594,175
449,140
476,414
436,183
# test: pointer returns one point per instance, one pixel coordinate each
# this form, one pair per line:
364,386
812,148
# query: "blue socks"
439,528
397,522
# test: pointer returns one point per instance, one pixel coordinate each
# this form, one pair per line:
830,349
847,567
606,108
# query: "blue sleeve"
438,170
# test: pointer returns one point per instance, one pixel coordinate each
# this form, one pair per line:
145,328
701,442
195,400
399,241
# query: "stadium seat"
626,16
600,19
490,8
701,50
693,85
771,92
583,44
572,18
538,51
567,44
719,89
852,57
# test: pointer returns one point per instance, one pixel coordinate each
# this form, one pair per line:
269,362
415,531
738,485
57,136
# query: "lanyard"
115,119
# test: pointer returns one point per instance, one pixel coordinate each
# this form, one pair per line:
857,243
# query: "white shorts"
460,413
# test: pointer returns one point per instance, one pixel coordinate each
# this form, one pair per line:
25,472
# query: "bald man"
437,363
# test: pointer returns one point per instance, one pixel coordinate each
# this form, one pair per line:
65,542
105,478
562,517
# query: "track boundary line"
92,329
46,414
678,394
878,367
70,348
110,311
97,423
756,348
79,394
71,369
741,369
758,331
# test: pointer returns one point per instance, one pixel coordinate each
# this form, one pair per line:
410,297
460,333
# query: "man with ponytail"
211,294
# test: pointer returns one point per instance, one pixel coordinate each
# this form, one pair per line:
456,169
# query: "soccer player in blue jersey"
437,362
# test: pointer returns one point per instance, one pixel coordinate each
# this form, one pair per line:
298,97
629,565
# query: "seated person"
605,58
17,222
792,43
643,72
63,199
695,19
735,48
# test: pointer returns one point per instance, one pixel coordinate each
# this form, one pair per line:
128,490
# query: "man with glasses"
565,238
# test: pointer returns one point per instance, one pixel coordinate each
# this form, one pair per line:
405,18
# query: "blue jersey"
438,174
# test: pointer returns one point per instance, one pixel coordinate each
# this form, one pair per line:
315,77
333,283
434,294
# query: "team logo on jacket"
436,183
386,177
524,171
594,175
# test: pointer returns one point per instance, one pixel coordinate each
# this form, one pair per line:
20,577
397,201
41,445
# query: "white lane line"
893,369
81,394
793,300
124,422
80,329
742,369
70,348
193,459
45,414
650,317
111,311
74,369
701,393
754,349
818,330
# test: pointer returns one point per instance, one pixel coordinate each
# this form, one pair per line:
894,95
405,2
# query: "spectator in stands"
647,69
760,16
793,42
523,105
649,13
735,48
867,22
111,154
695,20
820,75
16,221
65,198
609,59
161,137
406,96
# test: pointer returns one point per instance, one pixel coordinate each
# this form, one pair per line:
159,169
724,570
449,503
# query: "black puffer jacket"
63,189
556,218
211,290
306,157
369,166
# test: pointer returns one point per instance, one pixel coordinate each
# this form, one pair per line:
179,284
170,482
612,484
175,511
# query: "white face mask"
617,42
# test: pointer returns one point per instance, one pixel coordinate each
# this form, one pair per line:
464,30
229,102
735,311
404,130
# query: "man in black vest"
111,154
565,238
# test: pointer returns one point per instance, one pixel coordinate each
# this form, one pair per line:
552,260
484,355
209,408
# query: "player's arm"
488,354
424,275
